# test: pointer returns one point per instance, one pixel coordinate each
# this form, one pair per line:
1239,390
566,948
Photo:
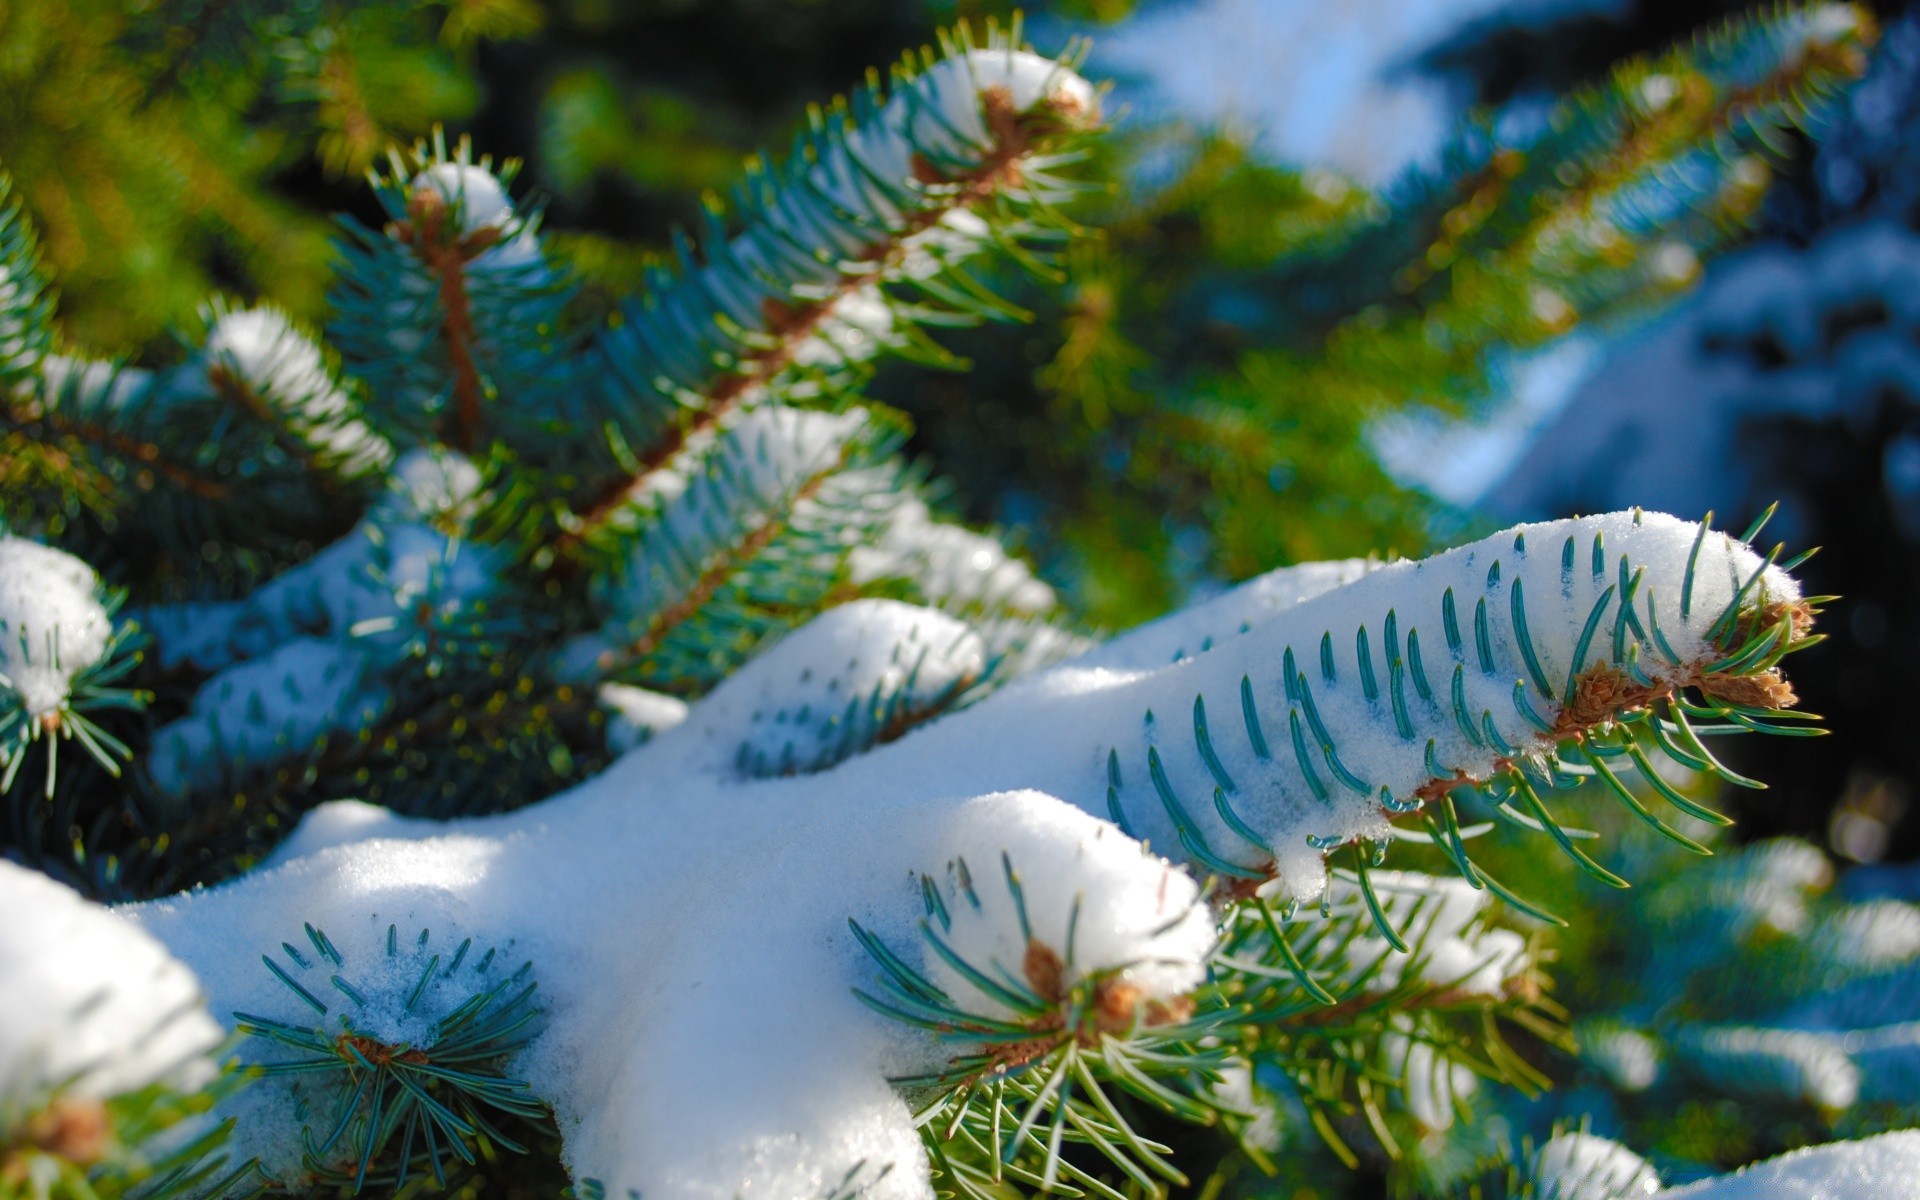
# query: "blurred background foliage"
1213,391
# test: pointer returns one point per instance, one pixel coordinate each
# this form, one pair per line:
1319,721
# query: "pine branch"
451,314
880,192
1676,126
776,492
26,303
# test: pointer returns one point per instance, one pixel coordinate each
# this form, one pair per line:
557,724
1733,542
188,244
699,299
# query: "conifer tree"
609,765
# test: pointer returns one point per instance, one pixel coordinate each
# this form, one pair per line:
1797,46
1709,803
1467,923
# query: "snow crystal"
1886,1167
88,997
1581,1166
52,623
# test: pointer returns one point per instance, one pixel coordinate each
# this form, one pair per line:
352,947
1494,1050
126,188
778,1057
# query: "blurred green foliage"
160,147
1191,408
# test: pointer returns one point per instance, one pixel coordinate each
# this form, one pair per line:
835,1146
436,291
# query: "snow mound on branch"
1199,628
269,354
1441,920
849,677
283,368
1580,1166
953,567
1096,898
474,190
90,997
1886,1167
690,928
635,714
260,710
52,623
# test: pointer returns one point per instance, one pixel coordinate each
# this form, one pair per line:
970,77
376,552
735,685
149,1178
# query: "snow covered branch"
1048,933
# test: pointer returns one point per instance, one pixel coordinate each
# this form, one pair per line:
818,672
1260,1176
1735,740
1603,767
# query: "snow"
1298,803
1660,420
1870,936
832,687
855,329
282,368
689,928
84,383
837,235
264,710
1432,1085
1889,1061
1630,1060
717,488
952,567
1334,86
52,624
1796,1066
635,714
305,654
394,559
90,1004
1442,922
1101,902
473,190
942,106
1581,1166
1236,611
1885,1167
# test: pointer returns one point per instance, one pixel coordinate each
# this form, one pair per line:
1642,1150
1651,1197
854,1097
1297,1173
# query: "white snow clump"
52,623
1100,902
481,199
951,566
90,1003
279,365
863,670
1884,1167
1581,1166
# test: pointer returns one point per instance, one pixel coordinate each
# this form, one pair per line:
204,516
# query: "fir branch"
439,1090
144,463
772,493
1525,205
450,313
831,215
446,254
26,303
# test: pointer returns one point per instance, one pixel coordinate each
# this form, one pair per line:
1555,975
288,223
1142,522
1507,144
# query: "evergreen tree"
612,766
